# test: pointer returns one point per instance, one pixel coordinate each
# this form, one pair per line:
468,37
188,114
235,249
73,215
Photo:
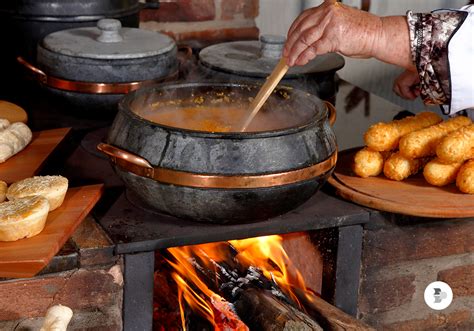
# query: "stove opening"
263,283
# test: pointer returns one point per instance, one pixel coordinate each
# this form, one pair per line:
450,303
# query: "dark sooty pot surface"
301,146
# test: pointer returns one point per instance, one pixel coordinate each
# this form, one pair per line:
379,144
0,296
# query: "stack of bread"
29,202
401,148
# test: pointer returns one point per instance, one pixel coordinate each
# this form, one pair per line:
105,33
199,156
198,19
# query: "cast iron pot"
222,177
90,69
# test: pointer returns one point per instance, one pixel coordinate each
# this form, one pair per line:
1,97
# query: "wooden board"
26,257
29,161
413,196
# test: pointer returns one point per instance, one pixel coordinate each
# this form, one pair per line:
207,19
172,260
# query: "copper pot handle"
332,112
38,74
186,50
116,155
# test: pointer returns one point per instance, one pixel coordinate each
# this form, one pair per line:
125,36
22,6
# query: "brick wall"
203,21
94,295
401,258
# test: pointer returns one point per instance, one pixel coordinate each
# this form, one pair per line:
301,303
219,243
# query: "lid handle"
109,31
271,46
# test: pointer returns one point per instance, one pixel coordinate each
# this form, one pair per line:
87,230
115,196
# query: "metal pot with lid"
175,148
254,60
94,67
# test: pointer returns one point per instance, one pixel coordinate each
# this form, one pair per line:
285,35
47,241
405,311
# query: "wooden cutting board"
29,161
413,196
26,257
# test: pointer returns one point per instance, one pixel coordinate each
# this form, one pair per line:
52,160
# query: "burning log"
329,317
257,300
260,310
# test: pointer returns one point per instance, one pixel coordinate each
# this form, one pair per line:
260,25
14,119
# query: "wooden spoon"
277,74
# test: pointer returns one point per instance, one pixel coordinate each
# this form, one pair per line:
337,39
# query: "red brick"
408,243
77,289
216,35
461,280
383,295
459,320
180,11
239,8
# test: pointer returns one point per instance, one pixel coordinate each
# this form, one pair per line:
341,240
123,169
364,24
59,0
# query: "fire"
265,253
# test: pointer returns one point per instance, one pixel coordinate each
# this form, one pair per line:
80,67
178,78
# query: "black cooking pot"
254,60
90,69
222,176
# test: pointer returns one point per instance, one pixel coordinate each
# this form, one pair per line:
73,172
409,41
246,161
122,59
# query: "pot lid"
258,58
108,41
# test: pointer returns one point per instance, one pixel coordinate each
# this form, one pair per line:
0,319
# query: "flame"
266,253
207,303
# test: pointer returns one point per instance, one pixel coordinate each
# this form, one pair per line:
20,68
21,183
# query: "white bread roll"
52,188
13,138
3,191
23,218
22,131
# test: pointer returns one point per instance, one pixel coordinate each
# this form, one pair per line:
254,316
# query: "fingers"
406,85
305,43
320,47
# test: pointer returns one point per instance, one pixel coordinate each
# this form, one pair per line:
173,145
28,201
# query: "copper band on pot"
139,166
89,87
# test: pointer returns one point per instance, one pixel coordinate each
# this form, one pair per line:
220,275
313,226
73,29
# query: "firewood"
329,317
260,310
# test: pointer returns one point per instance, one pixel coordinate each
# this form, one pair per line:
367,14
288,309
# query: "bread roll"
458,146
51,187
3,190
465,178
13,139
397,167
369,163
423,142
438,173
385,136
4,123
23,218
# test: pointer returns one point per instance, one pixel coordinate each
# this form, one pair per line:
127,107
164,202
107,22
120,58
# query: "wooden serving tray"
413,196
29,161
26,257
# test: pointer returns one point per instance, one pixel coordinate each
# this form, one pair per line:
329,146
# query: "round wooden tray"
413,196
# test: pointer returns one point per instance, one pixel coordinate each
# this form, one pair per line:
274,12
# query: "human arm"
334,27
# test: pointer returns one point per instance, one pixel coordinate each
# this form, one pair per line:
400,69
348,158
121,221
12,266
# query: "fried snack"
397,167
438,173
385,136
368,163
465,178
423,142
458,146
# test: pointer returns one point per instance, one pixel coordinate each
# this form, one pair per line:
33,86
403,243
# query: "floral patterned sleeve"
429,37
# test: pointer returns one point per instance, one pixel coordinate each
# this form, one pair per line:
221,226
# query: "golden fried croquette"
423,142
438,173
465,178
385,136
368,163
398,167
458,146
